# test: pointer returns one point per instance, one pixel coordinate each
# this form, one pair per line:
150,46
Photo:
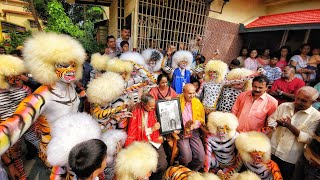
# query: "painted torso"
260,169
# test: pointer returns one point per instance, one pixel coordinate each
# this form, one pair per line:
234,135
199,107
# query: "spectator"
234,64
111,49
88,159
163,91
87,68
308,166
253,107
272,71
313,62
300,62
125,36
2,50
264,59
124,46
243,56
285,88
317,104
295,123
191,148
251,62
284,57
143,126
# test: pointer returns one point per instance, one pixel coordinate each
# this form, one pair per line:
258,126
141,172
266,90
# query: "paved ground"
36,170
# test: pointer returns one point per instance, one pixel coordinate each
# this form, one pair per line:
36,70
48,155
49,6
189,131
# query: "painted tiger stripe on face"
16,125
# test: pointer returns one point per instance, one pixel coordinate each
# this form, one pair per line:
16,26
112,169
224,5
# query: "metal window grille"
121,19
170,22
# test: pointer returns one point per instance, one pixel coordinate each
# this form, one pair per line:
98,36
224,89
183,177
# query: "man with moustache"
295,123
252,108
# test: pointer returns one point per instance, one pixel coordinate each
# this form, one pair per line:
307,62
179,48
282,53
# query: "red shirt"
290,87
282,63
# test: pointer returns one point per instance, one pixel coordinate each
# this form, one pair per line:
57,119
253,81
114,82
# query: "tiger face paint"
66,72
212,74
14,80
223,131
257,156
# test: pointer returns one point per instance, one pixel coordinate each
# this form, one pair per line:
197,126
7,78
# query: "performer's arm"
134,87
207,161
274,168
27,113
235,168
101,113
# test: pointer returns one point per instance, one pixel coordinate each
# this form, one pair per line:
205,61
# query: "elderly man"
191,149
285,88
143,126
295,123
252,108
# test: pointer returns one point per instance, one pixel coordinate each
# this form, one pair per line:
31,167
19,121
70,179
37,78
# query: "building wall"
18,19
293,6
113,18
238,11
224,36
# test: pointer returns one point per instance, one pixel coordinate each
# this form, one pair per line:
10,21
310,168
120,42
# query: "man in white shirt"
295,124
125,36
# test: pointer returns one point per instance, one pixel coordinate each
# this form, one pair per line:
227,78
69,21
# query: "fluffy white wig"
251,141
68,131
155,55
9,66
44,50
111,139
105,88
240,73
219,118
205,176
119,66
246,175
137,160
219,67
99,62
133,56
182,56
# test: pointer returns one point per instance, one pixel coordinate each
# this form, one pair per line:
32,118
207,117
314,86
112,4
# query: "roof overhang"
93,2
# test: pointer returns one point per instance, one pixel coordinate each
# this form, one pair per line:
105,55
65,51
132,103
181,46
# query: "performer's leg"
15,153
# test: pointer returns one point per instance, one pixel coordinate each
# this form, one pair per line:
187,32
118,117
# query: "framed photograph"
169,115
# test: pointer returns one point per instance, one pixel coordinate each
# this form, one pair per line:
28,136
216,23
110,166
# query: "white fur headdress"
111,138
251,141
99,62
9,66
68,131
218,118
133,56
119,66
240,73
182,56
105,88
137,160
44,50
246,175
219,67
155,55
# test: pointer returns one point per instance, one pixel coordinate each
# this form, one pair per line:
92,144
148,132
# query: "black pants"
286,168
305,171
162,165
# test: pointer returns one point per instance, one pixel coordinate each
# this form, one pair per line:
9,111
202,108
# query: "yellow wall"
113,18
18,19
238,11
293,6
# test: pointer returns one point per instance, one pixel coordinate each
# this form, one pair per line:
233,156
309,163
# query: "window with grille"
170,22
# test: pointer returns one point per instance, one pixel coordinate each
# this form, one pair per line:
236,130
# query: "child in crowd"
234,64
88,159
272,71
312,63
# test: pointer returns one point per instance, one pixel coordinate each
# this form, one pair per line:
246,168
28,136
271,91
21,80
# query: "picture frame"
169,115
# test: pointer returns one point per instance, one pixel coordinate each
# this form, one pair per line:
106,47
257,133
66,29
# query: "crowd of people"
97,116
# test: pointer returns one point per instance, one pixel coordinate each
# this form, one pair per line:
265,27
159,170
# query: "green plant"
17,39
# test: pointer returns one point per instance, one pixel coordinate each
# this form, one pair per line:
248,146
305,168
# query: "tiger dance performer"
220,143
12,92
55,61
183,173
230,93
215,72
137,161
255,153
153,60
